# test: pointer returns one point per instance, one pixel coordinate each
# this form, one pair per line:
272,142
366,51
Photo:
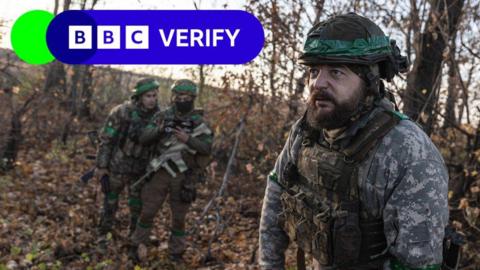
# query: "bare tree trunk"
452,88
296,91
420,93
87,92
318,10
94,3
66,4
464,106
294,101
55,9
9,155
14,137
55,77
76,78
274,59
201,84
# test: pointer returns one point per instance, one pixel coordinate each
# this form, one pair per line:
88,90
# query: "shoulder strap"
130,113
367,137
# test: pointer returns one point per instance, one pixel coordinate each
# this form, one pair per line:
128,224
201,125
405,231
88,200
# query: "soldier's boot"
135,206
110,206
139,236
133,253
102,244
132,225
177,245
106,224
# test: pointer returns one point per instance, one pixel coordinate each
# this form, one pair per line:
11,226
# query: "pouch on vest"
322,241
347,236
299,221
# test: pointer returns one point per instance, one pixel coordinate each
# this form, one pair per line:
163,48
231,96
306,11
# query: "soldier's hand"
159,122
181,135
99,173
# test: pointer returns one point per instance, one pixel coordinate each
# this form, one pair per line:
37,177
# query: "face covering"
184,106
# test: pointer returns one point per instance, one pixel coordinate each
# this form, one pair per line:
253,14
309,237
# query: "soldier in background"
357,185
183,142
121,156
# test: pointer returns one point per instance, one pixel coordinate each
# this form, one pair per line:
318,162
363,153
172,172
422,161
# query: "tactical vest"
322,211
129,141
130,156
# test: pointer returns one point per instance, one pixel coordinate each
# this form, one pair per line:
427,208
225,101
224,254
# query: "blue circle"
58,37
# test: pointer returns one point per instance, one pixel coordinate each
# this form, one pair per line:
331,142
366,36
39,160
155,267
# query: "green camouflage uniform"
177,179
372,196
120,152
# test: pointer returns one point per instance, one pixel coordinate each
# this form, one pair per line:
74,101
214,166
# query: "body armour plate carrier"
322,211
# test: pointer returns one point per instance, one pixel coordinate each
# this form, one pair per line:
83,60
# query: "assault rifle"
93,137
186,126
105,180
172,153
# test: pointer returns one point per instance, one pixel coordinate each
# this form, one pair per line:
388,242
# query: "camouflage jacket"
404,181
158,133
119,149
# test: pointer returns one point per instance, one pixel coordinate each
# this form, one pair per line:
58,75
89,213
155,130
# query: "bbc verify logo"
108,37
137,37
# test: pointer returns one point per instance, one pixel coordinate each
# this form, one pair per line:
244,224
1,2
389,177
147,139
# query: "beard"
341,113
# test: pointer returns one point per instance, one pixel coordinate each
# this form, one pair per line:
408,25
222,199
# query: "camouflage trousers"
117,183
154,193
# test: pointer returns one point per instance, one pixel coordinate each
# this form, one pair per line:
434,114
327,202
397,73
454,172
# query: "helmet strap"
373,82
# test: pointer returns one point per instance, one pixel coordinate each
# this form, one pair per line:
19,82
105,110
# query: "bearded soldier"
121,156
183,142
357,185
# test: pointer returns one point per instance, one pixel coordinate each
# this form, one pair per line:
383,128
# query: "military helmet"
353,39
184,86
145,85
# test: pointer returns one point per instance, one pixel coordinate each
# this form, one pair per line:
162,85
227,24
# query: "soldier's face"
335,93
183,102
149,99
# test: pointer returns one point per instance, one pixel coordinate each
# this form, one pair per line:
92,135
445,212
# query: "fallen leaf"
463,203
249,168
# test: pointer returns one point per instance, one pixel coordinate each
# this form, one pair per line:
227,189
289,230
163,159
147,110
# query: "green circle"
29,37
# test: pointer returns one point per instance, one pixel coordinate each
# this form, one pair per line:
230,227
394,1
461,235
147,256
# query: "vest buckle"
348,160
